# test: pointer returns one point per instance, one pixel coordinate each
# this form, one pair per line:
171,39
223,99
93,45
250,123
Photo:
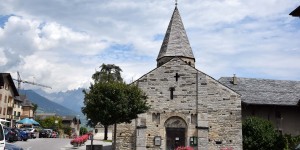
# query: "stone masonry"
216,107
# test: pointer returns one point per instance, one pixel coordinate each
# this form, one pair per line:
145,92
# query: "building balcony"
13,117
10,105
9,116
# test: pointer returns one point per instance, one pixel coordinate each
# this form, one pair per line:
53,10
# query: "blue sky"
61,43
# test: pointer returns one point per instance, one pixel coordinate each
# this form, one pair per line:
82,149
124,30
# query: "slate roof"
25,101
175,42
265,91
296,12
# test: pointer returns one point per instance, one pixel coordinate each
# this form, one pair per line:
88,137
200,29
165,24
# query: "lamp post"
56,127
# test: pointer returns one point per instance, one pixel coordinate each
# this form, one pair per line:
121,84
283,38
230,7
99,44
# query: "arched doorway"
176,129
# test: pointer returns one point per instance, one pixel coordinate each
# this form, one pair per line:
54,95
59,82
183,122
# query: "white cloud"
61,43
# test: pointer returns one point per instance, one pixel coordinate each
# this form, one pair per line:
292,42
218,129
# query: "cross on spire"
176,3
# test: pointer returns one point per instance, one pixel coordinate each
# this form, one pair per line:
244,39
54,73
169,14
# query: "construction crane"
19,80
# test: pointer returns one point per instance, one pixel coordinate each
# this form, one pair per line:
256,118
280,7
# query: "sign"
157,140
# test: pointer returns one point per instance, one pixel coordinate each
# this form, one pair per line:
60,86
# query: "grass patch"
107,140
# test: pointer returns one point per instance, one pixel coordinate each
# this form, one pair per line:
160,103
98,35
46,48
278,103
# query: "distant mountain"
47,106
72,99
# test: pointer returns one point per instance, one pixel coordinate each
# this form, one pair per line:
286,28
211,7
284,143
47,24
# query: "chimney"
234,80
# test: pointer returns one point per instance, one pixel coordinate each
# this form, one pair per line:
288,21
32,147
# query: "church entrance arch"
176,129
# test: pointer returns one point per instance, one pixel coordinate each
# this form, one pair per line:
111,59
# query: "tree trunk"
105,131
115,137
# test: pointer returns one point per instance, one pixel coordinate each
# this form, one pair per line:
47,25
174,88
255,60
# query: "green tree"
83,130
67,130
49,122
107,73
259,134
111,101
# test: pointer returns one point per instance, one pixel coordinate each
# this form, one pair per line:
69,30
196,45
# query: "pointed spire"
175,43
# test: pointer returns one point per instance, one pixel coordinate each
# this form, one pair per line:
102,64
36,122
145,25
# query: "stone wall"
211,111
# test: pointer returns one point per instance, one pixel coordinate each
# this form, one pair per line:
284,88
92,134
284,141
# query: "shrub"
259,134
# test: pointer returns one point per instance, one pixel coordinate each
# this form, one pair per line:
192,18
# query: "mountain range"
67,103
72,99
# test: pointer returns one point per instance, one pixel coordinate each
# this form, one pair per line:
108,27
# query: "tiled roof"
265,91
175,42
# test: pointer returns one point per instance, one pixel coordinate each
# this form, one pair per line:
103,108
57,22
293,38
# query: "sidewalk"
100,136
106,145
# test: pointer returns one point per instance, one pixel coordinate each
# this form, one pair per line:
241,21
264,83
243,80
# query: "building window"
0,110
15,113
0,97
172,89
5,98
4,111
194,119
9,99
19,114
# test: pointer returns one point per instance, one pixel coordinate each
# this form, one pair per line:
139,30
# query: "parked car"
54,134
22,135
9,146
49,131
32,132
298,147
10,134
43,134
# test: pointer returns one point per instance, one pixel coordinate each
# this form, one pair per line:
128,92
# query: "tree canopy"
109,72
49,122
111,101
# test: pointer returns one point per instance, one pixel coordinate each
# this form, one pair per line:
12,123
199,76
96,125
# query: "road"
56,144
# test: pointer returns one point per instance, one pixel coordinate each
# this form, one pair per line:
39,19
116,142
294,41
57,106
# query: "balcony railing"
10,105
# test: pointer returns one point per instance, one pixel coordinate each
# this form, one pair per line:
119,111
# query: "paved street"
57,144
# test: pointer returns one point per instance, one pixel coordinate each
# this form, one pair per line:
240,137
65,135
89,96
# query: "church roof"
265,91
296,12
175,42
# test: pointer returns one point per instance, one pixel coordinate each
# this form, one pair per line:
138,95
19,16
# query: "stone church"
188,107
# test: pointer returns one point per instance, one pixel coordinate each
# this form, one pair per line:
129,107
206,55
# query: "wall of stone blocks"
216,107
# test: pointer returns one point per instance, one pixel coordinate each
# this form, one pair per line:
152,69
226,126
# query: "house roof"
67,118
25,101
265,91
11,82
296,12
175,42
